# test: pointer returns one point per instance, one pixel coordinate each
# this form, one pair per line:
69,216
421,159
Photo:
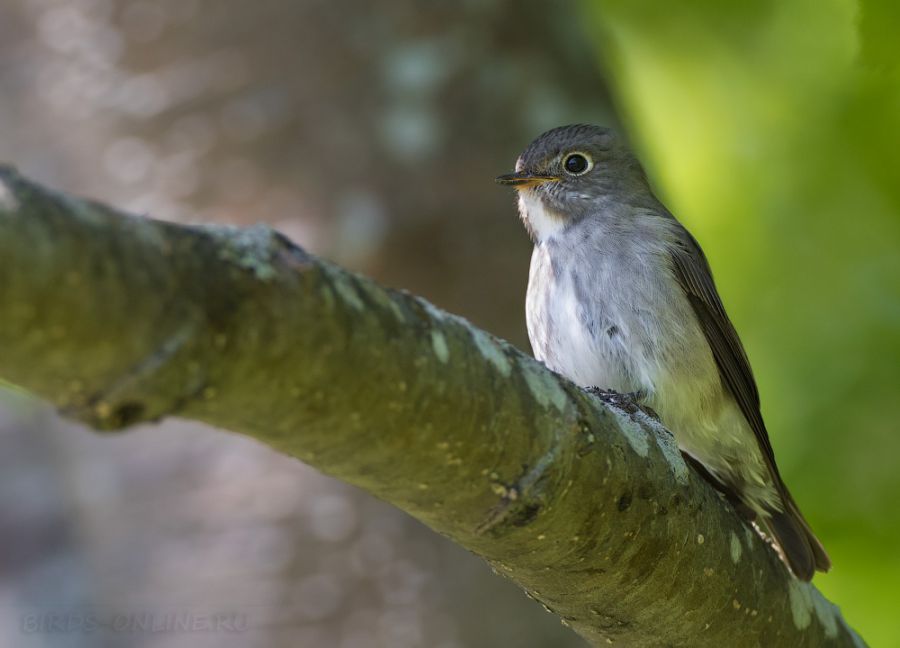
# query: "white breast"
586,341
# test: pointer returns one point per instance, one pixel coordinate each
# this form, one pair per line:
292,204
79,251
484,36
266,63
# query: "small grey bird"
620,296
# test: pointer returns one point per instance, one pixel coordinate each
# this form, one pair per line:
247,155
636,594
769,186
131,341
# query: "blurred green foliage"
771,130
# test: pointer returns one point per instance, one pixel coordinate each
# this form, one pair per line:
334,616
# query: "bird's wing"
802,550
693,273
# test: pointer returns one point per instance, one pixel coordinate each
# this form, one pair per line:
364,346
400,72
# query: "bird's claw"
629,401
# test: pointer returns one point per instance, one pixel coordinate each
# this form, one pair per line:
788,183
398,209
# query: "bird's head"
568,173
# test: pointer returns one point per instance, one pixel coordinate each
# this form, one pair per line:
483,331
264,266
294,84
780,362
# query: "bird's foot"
629,401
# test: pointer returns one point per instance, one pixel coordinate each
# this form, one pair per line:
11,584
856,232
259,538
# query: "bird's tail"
802,551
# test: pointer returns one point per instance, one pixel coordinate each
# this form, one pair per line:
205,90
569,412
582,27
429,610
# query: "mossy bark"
588,506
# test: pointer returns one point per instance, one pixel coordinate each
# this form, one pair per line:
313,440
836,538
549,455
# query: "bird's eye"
577,164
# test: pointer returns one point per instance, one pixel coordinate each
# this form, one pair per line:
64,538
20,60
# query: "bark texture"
586,504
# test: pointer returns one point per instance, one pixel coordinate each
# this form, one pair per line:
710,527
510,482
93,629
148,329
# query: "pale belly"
613,340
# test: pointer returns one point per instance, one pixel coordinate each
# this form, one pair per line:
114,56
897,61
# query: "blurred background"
370,134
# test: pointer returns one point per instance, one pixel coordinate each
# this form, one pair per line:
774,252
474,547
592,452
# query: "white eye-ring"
577,163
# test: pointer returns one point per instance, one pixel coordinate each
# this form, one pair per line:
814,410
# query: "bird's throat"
542,222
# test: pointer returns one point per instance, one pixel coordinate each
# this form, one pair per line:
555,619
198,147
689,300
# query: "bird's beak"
524,179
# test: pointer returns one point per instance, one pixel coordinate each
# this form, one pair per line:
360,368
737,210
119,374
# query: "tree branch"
119,319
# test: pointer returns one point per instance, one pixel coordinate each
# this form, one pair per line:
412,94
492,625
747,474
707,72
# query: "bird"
621,297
